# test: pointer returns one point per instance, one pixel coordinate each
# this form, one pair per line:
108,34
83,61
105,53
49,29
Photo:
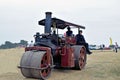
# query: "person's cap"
38,33
68,27
80,31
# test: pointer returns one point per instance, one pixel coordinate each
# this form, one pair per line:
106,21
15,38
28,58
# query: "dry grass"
101,65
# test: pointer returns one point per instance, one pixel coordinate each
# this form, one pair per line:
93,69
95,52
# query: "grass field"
101,65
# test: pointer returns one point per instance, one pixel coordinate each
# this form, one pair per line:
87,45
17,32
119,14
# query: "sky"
19,18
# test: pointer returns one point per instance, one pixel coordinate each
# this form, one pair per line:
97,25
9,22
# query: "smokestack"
48,22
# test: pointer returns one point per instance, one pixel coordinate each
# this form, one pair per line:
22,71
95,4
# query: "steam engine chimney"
48,22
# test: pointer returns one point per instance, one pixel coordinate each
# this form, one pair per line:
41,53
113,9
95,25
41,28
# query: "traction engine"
52,51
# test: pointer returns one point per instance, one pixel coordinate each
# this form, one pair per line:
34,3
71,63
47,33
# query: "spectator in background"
31,44
102,46
116,47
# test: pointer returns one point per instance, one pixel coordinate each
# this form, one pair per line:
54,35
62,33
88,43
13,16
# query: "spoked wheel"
80,57
45,63
36,64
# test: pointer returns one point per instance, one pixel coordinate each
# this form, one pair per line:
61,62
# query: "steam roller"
52,50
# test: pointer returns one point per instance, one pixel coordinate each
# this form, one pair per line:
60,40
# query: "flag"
110,41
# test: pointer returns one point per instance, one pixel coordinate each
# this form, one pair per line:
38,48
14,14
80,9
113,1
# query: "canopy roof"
60,24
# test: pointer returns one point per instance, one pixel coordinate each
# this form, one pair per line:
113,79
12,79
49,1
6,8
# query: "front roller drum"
36,64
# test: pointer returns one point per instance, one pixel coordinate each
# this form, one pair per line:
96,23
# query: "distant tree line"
9,44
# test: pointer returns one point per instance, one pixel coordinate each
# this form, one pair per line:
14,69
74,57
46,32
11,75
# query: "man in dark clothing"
80,40
69,32
37,37
54,38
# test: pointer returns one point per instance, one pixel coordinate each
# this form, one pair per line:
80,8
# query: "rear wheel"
36,64
80,57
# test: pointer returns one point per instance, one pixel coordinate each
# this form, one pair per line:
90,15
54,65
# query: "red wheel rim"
45,62
82,58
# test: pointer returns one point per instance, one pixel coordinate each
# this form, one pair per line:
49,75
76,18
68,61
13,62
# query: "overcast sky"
19,18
